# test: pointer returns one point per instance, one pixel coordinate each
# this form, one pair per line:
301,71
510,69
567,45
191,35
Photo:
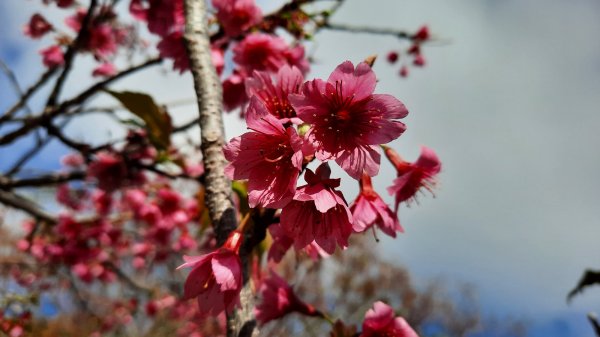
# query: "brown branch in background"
367,30
594,321
26,205
33,122
241,322
70,54
43,180
27,94
127,279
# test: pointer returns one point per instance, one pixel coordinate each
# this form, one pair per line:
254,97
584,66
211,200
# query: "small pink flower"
403,71
278,300
369,209
380,321
275,96
270,158
347,120
413,176
106,69
61,3
422,34
52,56
108,170
419,60
259,51
73,160
69,197
234,91
318,213
216,278
74,21
218,59
37,26
172,46
163,16
282,242
102,41
236,16
392,57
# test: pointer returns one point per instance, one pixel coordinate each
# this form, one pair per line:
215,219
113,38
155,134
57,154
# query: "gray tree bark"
218,188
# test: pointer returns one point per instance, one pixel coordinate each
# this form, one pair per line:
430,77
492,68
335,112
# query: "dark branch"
44,180
367,30
26,205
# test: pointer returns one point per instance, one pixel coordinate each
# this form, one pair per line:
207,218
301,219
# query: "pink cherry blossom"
318,213
102,41
106,69
163,16
278,300
172,46
380,321
413,176
275,95
259,51
347,120
282,242
216,278
236,16
37,27
270,157
52,56
234,91
369,209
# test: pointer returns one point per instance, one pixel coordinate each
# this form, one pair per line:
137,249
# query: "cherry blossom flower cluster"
103,35
127,216
413,55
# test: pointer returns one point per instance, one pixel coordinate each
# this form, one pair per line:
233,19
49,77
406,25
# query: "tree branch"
218,187
26,205
33,122
43,180
368,30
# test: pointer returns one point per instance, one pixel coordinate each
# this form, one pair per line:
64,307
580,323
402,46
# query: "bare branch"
26,205
367,30
27,94
33,122
43,180
71,52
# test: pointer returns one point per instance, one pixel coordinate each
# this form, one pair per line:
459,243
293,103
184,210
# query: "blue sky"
509,100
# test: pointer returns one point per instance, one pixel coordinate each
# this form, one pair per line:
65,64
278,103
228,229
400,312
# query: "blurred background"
509,99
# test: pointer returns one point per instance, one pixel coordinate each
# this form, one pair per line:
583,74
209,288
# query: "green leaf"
156,120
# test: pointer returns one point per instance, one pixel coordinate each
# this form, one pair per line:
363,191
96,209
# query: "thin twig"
26,205
27,94
71,52
367,30
43,180
33,122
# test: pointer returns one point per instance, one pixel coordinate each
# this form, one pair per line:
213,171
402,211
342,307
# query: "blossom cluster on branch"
130,209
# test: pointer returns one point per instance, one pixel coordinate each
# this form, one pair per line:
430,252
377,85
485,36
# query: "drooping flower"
236,16
216,278
269,156
37,26
318,213
278,300
413,176
380,321
369,209
347,120
275,95
105,70
52,56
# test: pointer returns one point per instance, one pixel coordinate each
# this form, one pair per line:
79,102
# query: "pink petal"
358,83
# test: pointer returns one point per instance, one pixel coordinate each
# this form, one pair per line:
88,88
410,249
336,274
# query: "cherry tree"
161,237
